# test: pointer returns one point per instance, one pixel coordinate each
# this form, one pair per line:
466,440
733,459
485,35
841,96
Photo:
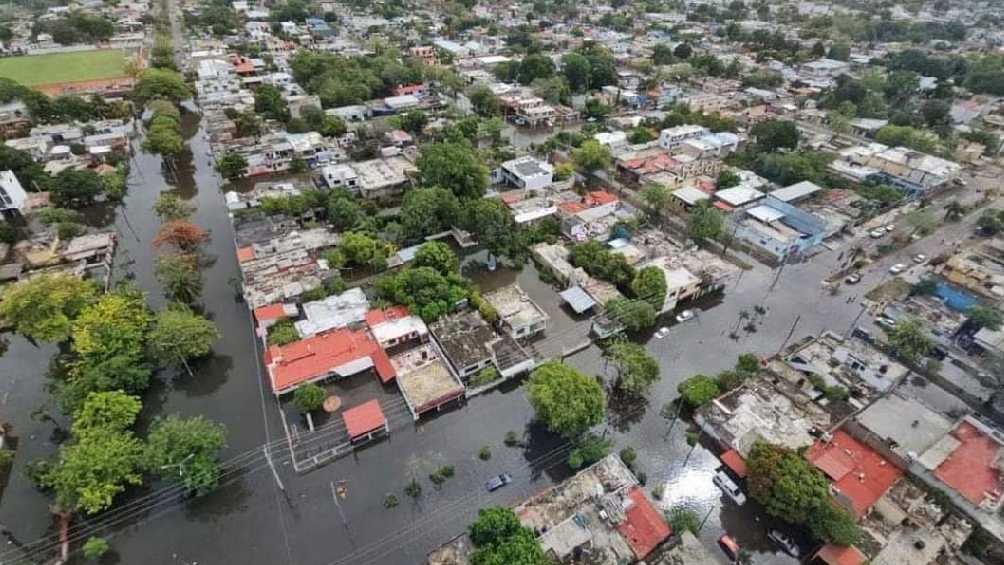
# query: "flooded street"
249,520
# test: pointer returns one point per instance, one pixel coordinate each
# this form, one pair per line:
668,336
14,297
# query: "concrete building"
681,284
333,312
671,138
12,194
527,173
519,315
340,176
384,179
778,228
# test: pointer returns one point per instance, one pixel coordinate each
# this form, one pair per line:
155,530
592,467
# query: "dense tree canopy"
649,284
185,450
698,390
454,166
427,211
636,369
567,401
45,306
424,290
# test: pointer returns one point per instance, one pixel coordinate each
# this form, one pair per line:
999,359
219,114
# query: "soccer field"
32,70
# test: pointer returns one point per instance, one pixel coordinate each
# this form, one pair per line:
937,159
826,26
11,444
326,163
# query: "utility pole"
790,332
855,321
271,465
338,505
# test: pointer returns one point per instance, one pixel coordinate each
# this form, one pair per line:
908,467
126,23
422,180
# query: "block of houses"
336,354
519,315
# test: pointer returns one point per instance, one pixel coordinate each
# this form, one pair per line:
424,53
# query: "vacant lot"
33,70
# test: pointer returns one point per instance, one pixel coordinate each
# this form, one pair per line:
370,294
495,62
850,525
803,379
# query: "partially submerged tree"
567,401
182,235
636,369
180,335
44,307
179,274
186,451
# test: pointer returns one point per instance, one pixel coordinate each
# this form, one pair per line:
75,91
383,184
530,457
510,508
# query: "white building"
340,176
12,194
672,137
526,173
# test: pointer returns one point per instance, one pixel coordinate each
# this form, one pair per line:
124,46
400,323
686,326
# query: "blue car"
498,482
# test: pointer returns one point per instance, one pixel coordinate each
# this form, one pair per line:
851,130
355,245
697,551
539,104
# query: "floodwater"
249,520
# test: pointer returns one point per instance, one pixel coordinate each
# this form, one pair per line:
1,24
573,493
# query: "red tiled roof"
245,254
840,555
643,527
270,312
734,461
377,316
970,469
511,197
363,419
860,473
722,206
408,88
600,197
316,357
572,207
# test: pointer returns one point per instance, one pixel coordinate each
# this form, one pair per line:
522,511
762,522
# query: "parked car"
685,315
729,546
853,278
877,233
890,228
784,542
498,482
663,332
920,258
897,268
885,322
725,483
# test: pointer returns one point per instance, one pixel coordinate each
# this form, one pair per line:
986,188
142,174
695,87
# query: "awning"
578,299
734,462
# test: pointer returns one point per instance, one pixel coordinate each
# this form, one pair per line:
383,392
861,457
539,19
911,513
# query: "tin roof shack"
941,322
602,509
333,312
77,256
519,315
830,361
979,268
469,344
778,228
425,381
774,411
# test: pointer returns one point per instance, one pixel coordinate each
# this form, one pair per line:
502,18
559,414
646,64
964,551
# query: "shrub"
413,489
485,453
511,439
390,501
282,332
658,492
628,456
309,397
681,519
692,438
95,547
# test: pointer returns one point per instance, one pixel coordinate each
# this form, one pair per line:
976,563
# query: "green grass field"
31,70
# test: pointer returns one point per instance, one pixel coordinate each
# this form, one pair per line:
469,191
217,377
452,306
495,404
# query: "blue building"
778,228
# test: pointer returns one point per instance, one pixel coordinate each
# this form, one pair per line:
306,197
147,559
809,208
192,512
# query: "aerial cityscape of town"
514,282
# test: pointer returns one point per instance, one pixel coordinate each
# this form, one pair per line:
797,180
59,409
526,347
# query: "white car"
685,315
890,228
785,542
725,483
897,268
920,258
877,233
663,332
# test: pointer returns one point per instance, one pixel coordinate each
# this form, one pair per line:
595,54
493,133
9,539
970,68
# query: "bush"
683,519
95,547
485,453
511,439
390,501
309,397
692,438
588,450
282,332
484,377
413,489
628,456
642,477
698,390
658,492
6,458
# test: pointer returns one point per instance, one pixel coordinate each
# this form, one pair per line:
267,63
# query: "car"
729,546
920,258
498,481
853,278
685,315
889,228
897,268
885,322
877,233
725,483
784,542
958,181
663,332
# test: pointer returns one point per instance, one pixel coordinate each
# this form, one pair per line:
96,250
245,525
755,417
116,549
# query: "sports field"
33,70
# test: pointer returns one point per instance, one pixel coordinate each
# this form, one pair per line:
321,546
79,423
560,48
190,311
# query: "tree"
553,90
75,188
698,390
437,255
362,250
181,234
909,340
985,317
186,451
232,166
179,275
748,364
495,228
427,211
683,51
922,221
520,548
589,448
414,121
567,401
662,54
636,315
727,178
792,489
92,469
591,156
656,196
44,307
705,223
535,66
840,51
576,69
179,335
269,102
454,166
483,100
160,83
772,135
649,284
170,207
163,137
818,50
309,397
493,524
936,113
424,291
113,411
991,222
636,369
954,211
